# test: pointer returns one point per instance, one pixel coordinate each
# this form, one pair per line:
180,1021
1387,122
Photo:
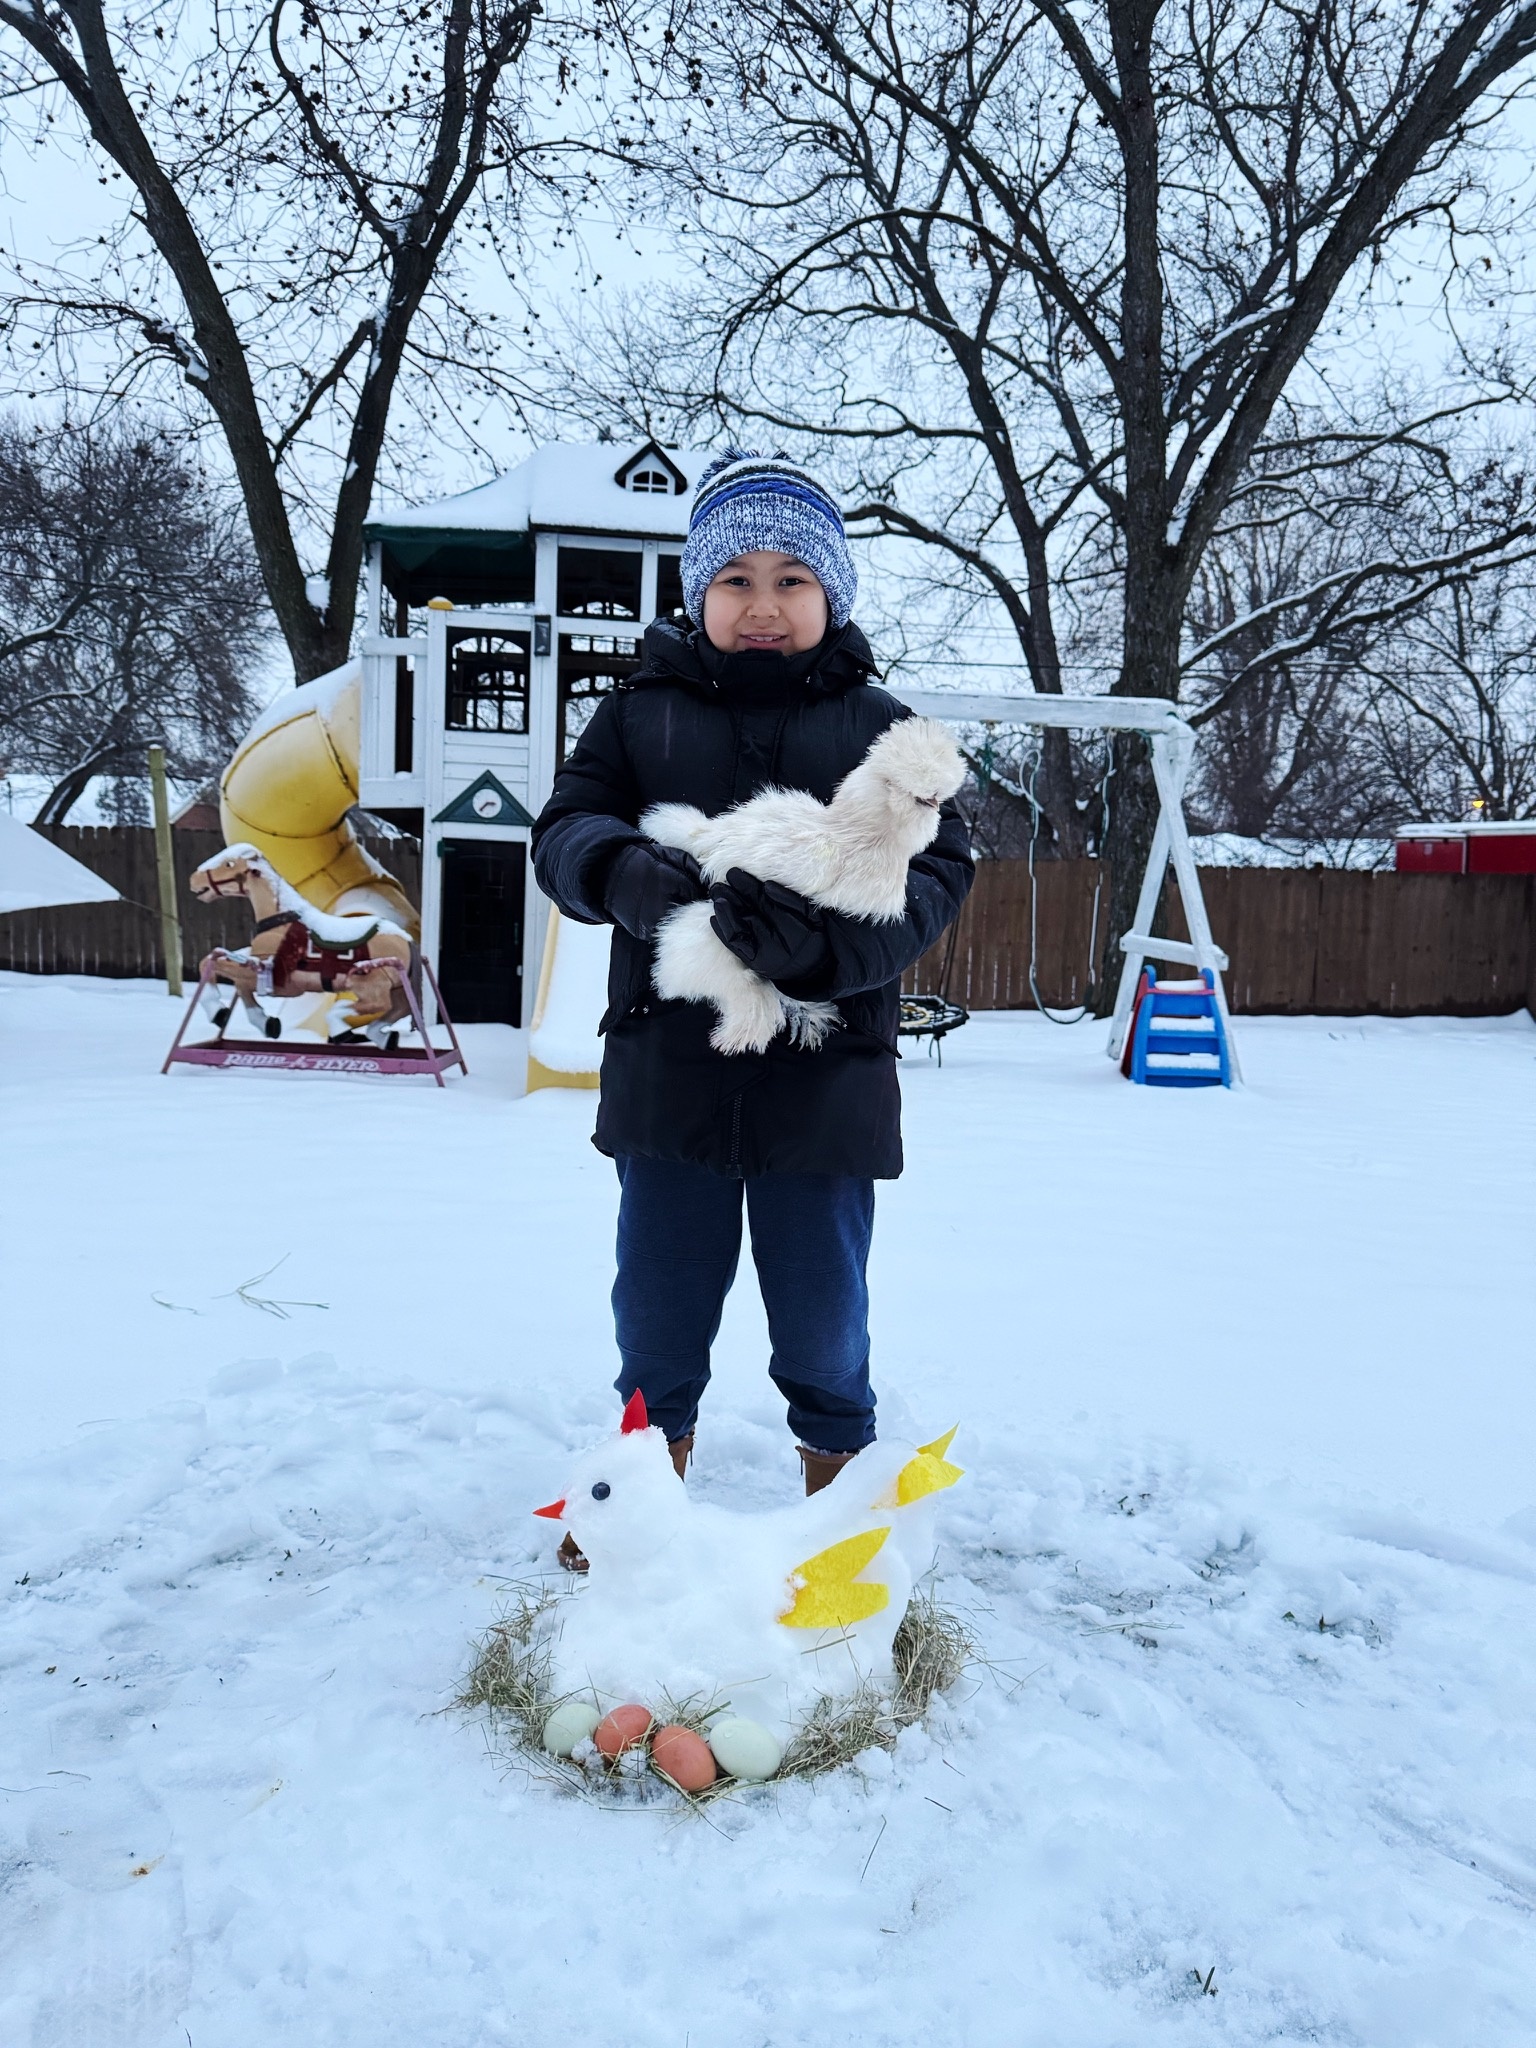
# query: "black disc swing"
934,1017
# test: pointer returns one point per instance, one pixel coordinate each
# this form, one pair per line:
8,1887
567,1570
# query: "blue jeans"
679,1240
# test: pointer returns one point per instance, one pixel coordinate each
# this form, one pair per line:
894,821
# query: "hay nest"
510,1684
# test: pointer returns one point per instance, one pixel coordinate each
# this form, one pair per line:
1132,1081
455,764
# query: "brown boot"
570,1558
822,1467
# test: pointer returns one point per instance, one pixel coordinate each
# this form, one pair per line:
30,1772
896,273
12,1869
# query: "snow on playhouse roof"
638,490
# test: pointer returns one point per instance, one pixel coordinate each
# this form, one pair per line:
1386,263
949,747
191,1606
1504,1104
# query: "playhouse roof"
565,487
477,547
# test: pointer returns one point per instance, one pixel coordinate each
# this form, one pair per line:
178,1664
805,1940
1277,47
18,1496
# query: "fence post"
170,921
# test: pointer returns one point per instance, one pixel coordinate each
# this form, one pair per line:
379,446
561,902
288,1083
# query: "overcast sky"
48,203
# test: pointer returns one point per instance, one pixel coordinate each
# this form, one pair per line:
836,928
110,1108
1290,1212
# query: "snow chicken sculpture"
767,1612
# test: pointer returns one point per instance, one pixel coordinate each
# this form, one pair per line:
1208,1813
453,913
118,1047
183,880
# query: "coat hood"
682,655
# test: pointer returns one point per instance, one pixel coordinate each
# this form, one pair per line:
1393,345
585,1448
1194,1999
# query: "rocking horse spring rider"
373,966
298,950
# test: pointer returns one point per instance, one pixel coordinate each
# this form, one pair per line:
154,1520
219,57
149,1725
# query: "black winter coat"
694,726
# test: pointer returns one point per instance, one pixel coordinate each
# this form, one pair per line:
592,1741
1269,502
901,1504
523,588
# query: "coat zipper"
734,1161
778,743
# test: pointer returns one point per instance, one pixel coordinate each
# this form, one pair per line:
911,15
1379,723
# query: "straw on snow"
509,1681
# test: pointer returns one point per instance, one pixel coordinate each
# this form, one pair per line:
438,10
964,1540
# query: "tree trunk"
68,790
1149,668
1132,821
1149,662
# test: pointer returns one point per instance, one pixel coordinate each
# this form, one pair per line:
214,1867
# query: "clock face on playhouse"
487,801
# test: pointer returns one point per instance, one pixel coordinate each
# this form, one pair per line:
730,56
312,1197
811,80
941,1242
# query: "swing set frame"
1173,752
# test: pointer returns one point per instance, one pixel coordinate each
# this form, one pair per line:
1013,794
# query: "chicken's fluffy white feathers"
849,855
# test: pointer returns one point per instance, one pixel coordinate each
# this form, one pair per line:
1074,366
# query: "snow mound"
1221,1729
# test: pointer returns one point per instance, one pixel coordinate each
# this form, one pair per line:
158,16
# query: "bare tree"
117,533
302,180
1335,579
1044,274
1453,705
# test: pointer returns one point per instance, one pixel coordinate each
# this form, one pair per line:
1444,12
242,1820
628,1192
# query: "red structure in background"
1469,849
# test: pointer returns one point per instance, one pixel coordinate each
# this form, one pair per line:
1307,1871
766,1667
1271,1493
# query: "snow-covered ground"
1248,1535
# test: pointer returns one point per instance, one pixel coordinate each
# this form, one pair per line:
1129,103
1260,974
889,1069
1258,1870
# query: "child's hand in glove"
646,881
778,933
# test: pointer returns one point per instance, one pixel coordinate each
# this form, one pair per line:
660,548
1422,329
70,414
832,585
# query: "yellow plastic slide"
564,1050
288,791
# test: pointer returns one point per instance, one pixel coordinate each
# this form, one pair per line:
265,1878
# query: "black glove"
778,934
646,881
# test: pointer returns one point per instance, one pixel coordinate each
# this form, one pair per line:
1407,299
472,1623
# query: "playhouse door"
481,964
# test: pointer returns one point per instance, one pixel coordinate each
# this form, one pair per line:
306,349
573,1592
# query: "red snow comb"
553,1512
635,1416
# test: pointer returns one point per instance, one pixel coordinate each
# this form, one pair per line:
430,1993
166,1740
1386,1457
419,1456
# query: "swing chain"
1036,809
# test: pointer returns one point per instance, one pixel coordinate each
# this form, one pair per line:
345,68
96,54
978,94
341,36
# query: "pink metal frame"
336,1059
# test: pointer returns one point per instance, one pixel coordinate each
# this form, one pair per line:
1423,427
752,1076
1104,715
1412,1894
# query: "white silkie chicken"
849,855
767,1612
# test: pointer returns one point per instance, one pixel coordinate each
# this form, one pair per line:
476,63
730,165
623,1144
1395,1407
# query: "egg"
684,1757
570,1723
622,1729
745,1748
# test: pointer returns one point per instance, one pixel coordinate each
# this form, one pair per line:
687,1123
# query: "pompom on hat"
747,500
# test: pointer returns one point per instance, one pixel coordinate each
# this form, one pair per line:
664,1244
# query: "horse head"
229,872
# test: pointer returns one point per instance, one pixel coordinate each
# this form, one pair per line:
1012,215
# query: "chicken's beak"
553,1512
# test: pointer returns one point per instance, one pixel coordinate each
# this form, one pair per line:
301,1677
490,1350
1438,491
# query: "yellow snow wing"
826,1595
929,1472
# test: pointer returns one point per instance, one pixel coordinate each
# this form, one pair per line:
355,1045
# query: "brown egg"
622,1729
685,1757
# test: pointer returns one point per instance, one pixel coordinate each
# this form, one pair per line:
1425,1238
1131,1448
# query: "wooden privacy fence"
124,938
1301,941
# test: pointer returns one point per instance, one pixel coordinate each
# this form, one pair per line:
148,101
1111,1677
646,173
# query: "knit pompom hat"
748,500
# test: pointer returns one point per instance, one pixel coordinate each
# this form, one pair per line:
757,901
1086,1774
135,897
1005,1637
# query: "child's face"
765,602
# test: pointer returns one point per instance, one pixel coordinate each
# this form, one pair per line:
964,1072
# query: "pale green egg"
745,1748
569,1724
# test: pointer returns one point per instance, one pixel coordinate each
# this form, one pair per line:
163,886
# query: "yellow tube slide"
288,790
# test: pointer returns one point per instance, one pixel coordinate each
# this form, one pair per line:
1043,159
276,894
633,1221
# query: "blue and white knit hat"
747,500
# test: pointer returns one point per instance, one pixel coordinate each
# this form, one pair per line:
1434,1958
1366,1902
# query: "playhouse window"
598,583
589,666
669,587
650,480
487,682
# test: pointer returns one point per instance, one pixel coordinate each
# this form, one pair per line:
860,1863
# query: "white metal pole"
430,706
648,581
1170,769
374,600
1135,953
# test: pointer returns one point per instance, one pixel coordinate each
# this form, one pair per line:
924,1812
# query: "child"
772,686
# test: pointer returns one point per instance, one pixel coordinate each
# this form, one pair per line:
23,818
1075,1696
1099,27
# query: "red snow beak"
553,1512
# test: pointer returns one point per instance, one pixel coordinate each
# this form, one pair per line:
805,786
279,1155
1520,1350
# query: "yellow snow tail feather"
826,1595
929,1472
